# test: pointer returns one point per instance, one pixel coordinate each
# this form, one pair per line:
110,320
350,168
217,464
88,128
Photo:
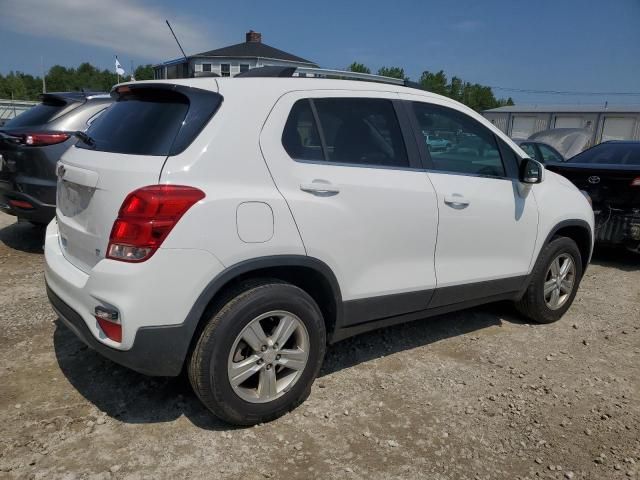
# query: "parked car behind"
242,224
30,146
610,174
540,151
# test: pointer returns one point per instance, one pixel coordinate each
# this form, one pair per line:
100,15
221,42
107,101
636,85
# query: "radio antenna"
176,38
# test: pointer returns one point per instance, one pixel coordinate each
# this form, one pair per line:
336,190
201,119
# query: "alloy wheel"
268,356
559,281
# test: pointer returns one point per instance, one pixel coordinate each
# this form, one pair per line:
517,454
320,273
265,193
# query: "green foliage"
393,72
144,72
63,79
358,67
474,95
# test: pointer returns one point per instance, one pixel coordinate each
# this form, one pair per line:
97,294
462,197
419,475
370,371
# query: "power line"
565,92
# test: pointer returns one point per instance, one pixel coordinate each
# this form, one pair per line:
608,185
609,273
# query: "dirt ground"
473,395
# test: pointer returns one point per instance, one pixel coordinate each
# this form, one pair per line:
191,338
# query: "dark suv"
32,143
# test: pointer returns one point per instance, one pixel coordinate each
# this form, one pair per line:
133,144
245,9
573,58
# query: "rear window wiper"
85,138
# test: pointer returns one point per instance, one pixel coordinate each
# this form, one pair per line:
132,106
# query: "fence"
13,108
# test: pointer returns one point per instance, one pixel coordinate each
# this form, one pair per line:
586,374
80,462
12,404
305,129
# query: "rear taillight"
20,204
41,139
635,182
145,219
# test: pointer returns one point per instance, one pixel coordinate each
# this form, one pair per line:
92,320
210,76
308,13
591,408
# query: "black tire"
532,304
207,368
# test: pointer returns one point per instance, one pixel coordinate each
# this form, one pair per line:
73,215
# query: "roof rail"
277,71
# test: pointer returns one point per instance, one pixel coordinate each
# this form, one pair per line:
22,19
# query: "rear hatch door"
128,146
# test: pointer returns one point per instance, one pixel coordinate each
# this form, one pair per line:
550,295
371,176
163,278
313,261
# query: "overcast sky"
561,45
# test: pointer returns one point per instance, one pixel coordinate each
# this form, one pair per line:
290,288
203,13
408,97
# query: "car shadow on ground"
616,257
23,236
131,397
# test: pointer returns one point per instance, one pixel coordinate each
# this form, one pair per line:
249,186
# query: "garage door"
618,128
569,122
522,127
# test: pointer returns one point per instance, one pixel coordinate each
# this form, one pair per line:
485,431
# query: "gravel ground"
473,395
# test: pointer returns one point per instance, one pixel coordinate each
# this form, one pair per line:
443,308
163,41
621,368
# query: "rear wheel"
554,282
259,354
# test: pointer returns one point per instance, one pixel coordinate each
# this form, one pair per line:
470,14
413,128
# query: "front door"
487,224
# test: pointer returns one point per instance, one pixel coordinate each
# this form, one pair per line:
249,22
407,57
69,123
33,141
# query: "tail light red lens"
635,182
145,219
20,204
42,139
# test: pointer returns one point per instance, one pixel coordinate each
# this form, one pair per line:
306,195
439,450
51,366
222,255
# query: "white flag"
119,69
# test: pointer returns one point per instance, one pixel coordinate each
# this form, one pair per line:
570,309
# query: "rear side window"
457,142
358,131
38,115
152,121
300,137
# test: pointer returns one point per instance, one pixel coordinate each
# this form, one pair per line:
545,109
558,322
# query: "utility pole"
44,82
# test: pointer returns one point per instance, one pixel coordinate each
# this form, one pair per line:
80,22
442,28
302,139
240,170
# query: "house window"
244,67
225,69
206,67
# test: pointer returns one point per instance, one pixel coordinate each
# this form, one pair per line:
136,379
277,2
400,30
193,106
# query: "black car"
31,145
610,174
540,151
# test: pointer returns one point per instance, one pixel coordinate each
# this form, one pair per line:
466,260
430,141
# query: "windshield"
610,154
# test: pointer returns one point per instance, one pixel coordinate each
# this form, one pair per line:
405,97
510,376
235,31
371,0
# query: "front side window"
244,67
225,69
457,142
529,150
206,67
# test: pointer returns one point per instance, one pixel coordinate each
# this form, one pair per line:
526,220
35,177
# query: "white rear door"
487,229
361,204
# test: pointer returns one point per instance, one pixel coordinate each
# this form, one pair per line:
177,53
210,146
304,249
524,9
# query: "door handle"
456,201
320,187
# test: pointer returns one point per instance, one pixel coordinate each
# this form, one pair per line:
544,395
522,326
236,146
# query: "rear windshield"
152,121
38,115
142,123
610,154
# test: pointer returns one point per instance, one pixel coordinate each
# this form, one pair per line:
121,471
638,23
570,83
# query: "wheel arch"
580,232
308,273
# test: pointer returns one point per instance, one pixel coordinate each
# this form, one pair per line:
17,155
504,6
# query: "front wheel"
259,354
554,282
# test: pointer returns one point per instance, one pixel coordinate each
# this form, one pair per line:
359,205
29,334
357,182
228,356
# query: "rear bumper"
157,351
40,212
153,298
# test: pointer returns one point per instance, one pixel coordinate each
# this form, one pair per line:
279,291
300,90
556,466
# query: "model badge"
593,179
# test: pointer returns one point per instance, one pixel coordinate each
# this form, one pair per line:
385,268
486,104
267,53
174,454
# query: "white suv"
233,227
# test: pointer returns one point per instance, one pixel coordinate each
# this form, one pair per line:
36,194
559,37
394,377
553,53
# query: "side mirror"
531,171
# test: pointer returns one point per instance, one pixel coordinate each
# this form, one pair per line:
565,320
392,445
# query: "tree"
144,72
393,72
358,67
435,82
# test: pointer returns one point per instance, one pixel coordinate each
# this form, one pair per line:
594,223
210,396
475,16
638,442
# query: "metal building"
604,122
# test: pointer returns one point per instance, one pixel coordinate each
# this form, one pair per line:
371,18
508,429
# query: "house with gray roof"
230,61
